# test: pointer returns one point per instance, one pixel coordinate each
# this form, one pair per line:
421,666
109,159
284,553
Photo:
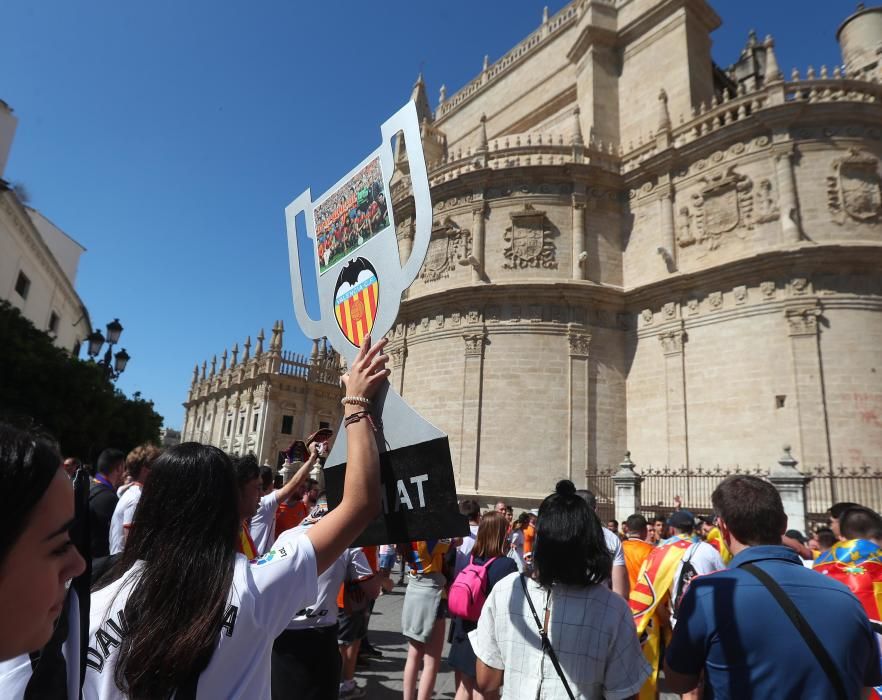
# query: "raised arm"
300,476
361,488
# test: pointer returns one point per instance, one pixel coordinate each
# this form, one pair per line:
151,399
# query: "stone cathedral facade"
261,402
636,249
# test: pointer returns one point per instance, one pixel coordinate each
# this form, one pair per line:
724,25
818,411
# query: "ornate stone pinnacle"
626,464
773,72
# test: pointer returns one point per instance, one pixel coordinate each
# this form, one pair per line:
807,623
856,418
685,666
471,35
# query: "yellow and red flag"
245,544
654,582
715,539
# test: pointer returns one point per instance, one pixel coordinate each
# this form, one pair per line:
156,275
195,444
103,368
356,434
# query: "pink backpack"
469,590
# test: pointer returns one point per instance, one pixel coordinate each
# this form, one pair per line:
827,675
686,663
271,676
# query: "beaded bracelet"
354,418
356,400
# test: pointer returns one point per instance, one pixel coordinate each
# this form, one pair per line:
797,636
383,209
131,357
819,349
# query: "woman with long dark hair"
490,546
37,556
181,613
591,634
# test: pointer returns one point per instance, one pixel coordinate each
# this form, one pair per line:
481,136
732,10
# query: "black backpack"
687,573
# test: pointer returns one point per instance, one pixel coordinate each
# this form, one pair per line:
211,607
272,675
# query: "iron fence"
664,489
599,481
840,484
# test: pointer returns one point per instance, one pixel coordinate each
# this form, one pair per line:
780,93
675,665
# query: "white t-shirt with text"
265,594
352,565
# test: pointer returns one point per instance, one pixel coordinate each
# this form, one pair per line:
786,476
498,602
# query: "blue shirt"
730,625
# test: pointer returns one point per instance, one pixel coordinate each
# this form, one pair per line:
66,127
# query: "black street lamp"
120,359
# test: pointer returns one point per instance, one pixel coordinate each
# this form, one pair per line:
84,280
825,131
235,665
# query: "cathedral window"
287,425
22,285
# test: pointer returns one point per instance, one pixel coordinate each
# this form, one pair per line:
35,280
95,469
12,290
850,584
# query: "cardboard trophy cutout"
360,282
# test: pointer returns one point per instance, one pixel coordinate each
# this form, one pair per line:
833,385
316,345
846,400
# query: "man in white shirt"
701,558
619,580
263,522
138,463
305,659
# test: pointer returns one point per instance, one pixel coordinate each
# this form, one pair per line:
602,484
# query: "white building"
38,261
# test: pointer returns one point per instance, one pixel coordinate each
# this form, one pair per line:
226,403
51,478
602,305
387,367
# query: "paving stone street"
382,678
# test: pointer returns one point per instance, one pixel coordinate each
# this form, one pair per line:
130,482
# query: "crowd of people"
205,577
350,216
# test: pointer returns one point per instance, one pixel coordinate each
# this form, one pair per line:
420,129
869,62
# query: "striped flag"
356,306
649,601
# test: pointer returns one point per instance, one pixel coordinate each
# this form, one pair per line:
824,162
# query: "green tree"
70,399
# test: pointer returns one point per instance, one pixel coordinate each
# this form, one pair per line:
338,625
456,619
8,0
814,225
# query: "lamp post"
120,359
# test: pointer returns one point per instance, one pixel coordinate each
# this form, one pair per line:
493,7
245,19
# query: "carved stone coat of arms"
724,204
529,241
450,245
855,188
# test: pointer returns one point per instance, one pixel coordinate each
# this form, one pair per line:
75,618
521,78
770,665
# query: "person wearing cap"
661,583
703,557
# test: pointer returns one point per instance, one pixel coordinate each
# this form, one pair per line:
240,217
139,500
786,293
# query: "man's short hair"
636,523
247,469
825,537
470,508
751,509
139,458
837,509
266,477
109,460
860,523
588,497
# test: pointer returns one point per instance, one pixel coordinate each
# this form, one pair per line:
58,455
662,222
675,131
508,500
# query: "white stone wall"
22,249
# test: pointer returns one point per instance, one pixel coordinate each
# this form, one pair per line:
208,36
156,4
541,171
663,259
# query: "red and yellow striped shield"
355,303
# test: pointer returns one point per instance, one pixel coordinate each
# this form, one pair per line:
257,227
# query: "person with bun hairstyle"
181,614
589,627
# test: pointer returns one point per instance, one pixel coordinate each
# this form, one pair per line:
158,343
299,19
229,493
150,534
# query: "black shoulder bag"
546,642
802,626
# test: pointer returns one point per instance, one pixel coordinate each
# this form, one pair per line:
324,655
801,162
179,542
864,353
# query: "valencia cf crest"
355,299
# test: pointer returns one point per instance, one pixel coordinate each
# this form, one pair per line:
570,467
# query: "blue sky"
167,138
